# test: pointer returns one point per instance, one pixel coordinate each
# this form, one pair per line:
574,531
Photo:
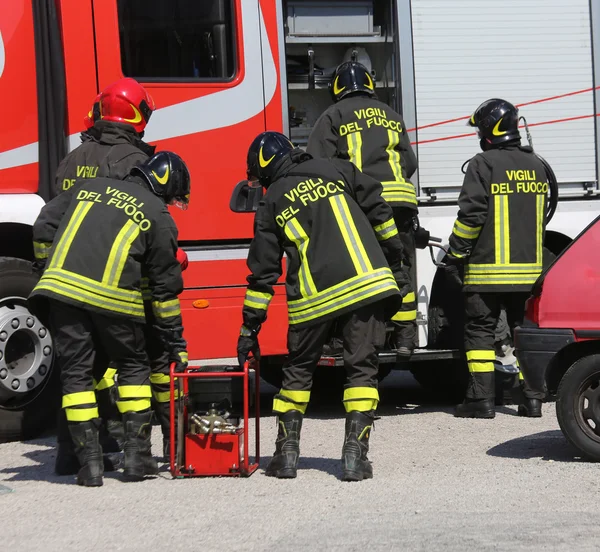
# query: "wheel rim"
587,412
26,353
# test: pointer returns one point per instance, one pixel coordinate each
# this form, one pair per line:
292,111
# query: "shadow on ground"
547,445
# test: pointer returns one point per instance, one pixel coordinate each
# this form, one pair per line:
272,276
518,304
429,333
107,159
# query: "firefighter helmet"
497,122
93,115
351,78
263,156
168,177
126,101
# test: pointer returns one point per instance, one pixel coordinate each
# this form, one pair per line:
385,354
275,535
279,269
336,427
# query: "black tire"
581,425
37,411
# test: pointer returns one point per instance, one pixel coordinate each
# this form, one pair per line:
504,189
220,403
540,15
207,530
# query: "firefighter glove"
248,343
38,266
180,358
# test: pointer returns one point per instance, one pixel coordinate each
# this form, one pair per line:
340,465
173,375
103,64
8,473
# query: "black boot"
401,341
284,463
89,452
476,408
163,415
531,408
138,454
355,464
66,460
112,433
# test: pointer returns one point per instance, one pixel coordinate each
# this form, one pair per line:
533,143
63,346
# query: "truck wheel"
29,387
578,406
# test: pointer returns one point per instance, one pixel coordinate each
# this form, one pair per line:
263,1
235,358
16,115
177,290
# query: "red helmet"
126,101
93,115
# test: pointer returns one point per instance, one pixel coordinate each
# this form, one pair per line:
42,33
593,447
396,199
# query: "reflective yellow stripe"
516,279
396,197
521,377
501,229
296,396
403,186
62,248
41,250
108,380
377,287
481,354
166,309
350,234
403,316
540,212
76,399
160,379
361,399
257,299
386,230
517,268
355,149
133,406
119,253
183,356
164,396
394,155
409,297
464,231
297,235
281,407
81,414
85,296
481,367
134,391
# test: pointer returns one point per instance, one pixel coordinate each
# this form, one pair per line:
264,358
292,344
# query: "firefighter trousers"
482,311
405,320
363,332
160,378
83,340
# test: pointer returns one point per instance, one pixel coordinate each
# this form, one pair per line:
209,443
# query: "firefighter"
373,136
110,148
498,236
113,144
101,237
332,224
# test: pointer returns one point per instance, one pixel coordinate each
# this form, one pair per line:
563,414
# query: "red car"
558,346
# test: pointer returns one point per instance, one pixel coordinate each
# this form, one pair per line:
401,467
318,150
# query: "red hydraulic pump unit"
209,421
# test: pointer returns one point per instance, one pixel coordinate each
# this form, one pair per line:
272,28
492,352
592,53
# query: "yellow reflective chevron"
481,354
81,414
134,391
257,299
119,253
501,229
510,273
77,399
166,309
287,400
394,155
62,248
464,231
405,316
160,379
41,250
360,399
296,234
540,209
386,230
164,396
350,234
480,367
355,149
481,360
133,406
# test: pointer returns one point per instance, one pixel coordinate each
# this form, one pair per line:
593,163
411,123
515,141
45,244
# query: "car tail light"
532,309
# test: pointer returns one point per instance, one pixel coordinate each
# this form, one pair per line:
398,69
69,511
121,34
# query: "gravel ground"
440,482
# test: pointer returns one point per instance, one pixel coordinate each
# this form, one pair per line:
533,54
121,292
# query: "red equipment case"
212,454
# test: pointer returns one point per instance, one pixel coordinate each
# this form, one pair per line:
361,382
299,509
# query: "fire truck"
221,71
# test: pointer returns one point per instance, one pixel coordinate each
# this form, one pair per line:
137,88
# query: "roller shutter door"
466,51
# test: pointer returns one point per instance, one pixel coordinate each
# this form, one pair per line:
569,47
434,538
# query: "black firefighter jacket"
501,220
108,149
98,239
333,226
373,136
